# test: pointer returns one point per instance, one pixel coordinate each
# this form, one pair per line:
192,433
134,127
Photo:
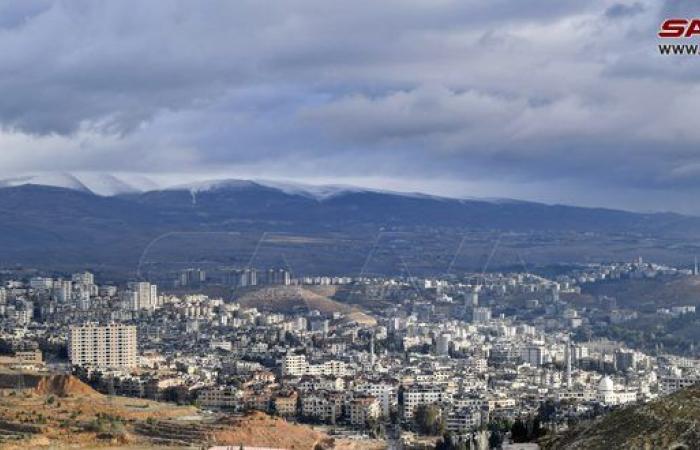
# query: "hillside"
260,430
650,293
667,423
59,411
64,386
650,329
286,299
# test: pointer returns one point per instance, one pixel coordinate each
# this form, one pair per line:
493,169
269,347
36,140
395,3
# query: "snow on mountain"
318,192
53,179
96,183
211,185
106,184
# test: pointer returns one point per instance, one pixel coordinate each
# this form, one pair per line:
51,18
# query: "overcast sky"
560,100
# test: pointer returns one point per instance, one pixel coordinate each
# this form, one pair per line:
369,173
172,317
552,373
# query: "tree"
519,431
428,419
527,431
450,442
547,411
6,347
497,429
495,439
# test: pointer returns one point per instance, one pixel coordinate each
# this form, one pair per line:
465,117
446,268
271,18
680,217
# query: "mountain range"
62,222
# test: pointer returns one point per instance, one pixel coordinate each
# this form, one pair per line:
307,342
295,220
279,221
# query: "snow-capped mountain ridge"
107,185
62,180
103,184
319,192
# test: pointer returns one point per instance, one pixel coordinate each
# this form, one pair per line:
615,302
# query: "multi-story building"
363,410
29,356
420,395
625,359
192,277
278,277
318,406
146,295
668,384
386,393
219,397
481,314
461,420
286,403
62,290
443,344
84,278
294,365
241,277
533,355
330,368
41,283
109,346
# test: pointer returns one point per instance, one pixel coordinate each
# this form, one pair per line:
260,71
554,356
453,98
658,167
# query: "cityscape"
477,360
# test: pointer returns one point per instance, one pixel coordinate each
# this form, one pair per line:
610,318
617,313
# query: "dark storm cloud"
498,91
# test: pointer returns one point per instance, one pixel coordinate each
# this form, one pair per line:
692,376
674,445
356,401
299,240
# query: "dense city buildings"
467,351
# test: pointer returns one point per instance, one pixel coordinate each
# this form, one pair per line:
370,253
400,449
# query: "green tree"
519,431
428,419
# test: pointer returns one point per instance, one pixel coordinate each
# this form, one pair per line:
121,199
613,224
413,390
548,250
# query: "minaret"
371,350
695,269
568,364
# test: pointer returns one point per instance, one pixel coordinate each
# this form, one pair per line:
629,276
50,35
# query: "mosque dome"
606,386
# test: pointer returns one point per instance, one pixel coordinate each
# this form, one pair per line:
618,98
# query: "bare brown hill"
290,298
64,386
260,430
59,411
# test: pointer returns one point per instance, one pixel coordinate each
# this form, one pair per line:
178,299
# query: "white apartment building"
387,394
294,365
41,283
85,278
481,314
108,346
415,396
321,384
533,355
330,368
62,290
146,295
